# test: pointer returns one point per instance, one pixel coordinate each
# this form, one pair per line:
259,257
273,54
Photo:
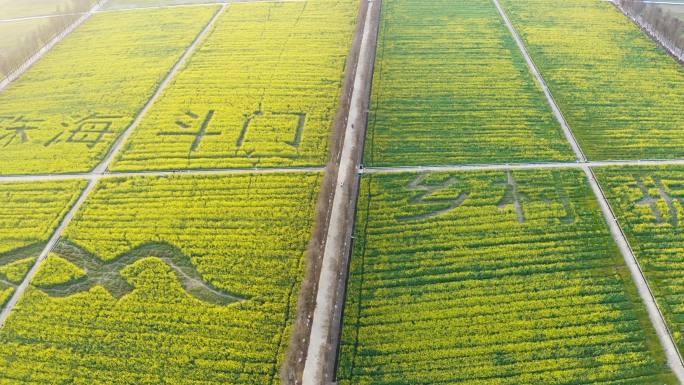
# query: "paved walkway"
338,240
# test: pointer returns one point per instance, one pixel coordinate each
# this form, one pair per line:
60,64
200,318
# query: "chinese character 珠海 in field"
89,130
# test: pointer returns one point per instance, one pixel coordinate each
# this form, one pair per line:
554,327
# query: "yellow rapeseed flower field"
261,91
29,213
64,114
189,280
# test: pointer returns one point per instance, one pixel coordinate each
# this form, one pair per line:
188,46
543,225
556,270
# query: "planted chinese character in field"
487,294
428,193
284,127
15,130
649,205
655,200
89,130
512,197
271,72
194,127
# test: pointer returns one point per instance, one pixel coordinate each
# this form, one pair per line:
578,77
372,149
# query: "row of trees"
662,24
31,43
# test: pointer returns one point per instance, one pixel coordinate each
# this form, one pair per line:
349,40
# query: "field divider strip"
667,342
569,135
366,170
121,140
47,47
674,358
226,171
19,292
338,238
147,8
518,166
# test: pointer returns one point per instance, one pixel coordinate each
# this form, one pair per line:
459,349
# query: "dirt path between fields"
518,166
319,367
292,369
326,169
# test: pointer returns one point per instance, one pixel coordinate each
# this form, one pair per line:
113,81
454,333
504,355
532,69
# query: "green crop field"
23,32
66,111
649,203
13,33
262,91
29,213
621,94
451,86
12,9
13,40
676,10
491,278
177,280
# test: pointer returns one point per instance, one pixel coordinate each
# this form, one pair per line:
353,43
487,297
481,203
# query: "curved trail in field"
108,273
674,358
